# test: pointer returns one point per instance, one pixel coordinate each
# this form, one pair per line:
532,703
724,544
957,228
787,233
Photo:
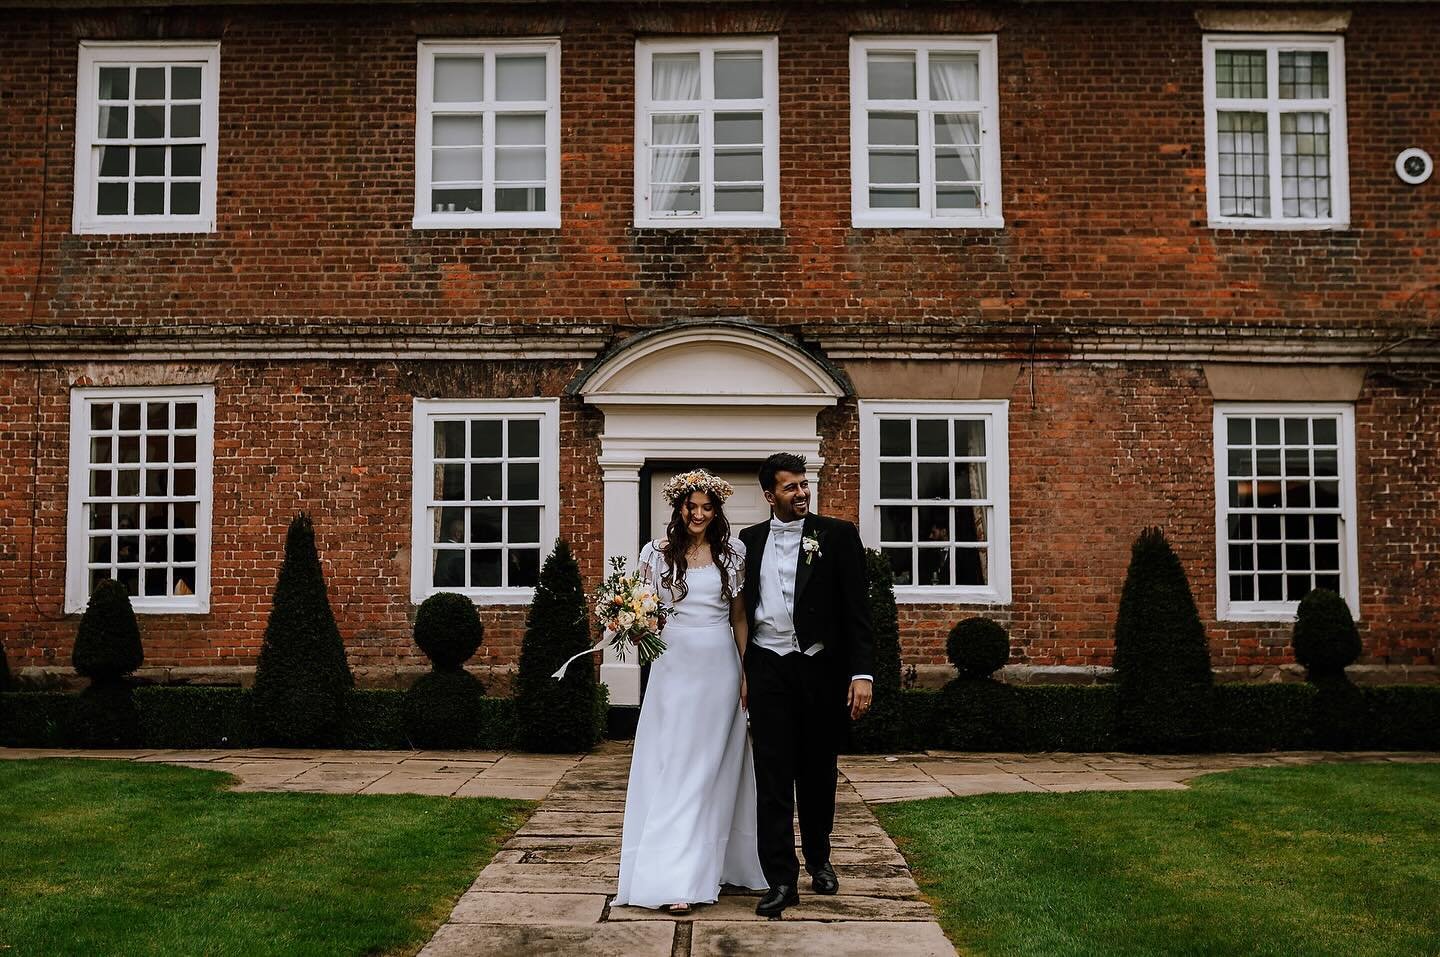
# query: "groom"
807,669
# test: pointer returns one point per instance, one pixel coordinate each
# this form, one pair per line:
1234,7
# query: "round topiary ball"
978,647
448,629
1325,637
444,709
107,643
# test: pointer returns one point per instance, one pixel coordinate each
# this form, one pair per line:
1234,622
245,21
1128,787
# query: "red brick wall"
1101,122
1102,139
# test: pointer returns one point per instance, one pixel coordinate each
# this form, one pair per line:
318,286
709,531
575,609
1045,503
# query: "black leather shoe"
824,880
777,899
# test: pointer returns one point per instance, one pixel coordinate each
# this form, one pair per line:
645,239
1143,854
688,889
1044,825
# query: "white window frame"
1227,610
991,215
77,577
424,414
1272,106
707,106
427,51
94,55
996,415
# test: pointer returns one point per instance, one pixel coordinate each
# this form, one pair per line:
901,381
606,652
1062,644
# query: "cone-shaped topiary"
448,629
1325,637
1161,657
107,643
107,649
978,647
302,675
557,715
880,729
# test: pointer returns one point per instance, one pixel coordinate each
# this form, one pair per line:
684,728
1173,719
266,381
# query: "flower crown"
679,488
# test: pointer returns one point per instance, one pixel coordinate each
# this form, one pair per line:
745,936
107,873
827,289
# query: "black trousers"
797,714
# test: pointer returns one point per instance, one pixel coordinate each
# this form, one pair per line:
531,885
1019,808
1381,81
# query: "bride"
690,807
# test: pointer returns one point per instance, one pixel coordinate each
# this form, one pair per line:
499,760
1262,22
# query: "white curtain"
954,77
673,78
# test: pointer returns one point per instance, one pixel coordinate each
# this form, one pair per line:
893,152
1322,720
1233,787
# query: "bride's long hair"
677,542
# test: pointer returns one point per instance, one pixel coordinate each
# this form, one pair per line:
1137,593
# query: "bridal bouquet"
631,613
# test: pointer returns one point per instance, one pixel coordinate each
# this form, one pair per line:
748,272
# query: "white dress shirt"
775,605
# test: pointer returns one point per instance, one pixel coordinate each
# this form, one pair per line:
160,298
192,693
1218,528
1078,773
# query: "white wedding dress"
690,807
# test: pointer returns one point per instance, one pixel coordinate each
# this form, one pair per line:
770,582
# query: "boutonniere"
811,544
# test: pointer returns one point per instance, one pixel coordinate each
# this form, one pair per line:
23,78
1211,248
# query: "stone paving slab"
552,940
811,938
491,907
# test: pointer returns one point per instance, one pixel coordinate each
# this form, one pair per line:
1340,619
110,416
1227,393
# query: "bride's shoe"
681,909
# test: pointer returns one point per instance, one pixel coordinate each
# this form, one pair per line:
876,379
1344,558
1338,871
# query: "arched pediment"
713,363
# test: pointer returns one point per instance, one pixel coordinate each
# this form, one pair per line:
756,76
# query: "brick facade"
1104,268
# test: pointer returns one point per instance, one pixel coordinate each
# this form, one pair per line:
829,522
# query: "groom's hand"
860,693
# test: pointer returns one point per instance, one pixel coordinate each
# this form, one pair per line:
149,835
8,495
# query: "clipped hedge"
186,717
1264,717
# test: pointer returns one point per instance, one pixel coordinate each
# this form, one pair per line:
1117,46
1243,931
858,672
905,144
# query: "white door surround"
724,390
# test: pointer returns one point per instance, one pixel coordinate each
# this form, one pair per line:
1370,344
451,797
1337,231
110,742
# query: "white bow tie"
778,526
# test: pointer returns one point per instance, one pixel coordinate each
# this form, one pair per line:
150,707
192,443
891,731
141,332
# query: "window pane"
519,78
184,199
740,199
524,438
972,566
1305,164
739,128
895,480
969,479
933,479
682,129
185,160
890,76
184,120
524,525
739,76
894,129
449,568
676,199
114,122
676,166
894,436
112,199
519,164
150,83
896,524
1237,430
932,437
524,482
449,440
458,130
485,568
954,76
149,122
935,524
520,129
185,83
524,568
114,161
934,566
485,483
149,199
1325,431
675,76
114,83
185,413
150,161
485,524
1267,431
457,165
1304,75
888,167
739,166
1240,73
529,199
961,165
459,79
1243,149
457,200
894,199
901,563
969,437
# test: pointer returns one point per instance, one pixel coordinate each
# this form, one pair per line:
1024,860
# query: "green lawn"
114,858
1328,860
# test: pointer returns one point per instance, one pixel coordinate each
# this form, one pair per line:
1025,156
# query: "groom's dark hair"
779,462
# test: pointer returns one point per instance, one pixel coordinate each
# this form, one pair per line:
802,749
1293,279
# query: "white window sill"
1298,225
700,222
939,222
189,606
938,595
483,596
482,221
122,227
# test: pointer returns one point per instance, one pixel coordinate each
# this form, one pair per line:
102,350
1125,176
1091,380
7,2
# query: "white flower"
625,619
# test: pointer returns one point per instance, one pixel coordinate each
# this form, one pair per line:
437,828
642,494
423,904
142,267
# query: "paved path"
549,888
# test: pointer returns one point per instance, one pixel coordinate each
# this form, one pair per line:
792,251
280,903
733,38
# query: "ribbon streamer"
560,673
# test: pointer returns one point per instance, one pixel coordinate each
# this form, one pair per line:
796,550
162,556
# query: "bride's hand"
744,695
